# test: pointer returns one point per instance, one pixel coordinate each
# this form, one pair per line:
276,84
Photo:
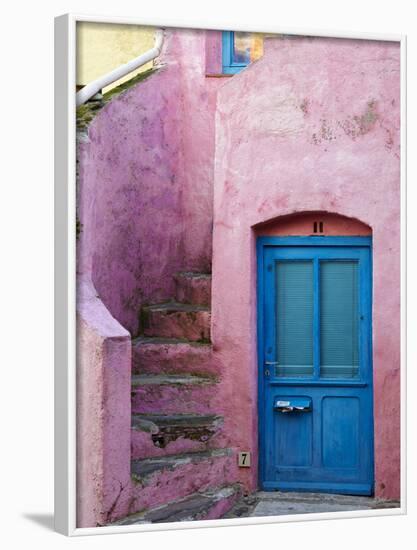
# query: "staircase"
181,468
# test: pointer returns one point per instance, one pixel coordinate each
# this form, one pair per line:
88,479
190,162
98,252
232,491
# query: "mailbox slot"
292,404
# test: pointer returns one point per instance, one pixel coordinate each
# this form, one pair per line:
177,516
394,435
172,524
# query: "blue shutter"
294,318
339,319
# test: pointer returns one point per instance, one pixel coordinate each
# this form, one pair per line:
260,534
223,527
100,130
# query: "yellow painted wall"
102,47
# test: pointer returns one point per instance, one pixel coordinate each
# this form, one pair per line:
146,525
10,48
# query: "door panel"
293,439
314,346
340,432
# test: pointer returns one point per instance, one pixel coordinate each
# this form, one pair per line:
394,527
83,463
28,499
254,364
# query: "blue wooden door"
315,382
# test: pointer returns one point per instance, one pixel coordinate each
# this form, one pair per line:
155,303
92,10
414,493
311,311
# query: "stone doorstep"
276,503
141,469
193,507
271,508
330,498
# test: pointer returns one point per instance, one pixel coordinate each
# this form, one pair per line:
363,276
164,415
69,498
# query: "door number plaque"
244,459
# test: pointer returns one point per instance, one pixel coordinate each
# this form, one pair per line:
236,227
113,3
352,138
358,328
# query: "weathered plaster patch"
361,125
305,106
326,132
275,111
353,126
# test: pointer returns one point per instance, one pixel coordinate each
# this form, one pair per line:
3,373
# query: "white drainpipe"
91,89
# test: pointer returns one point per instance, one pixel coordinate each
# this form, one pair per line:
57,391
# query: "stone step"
277,503
157,481
330,499
172,356
193,288
210,504
156,435
175,320
173,393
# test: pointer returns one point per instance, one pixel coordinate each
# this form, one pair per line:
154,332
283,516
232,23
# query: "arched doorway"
315,354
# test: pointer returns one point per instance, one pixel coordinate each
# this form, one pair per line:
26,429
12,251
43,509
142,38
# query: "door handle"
268,364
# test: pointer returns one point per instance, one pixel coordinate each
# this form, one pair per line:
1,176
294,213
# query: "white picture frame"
65,288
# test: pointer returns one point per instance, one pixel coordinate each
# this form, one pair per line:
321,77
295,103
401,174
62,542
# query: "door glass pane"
294,318
339,319
247,47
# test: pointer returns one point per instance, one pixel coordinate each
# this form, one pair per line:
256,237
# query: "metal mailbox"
293,404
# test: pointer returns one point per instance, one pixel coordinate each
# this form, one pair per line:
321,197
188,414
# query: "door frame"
332,241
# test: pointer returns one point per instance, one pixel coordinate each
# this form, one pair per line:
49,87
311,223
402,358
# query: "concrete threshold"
277,503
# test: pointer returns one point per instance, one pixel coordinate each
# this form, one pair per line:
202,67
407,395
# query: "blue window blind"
339,340
294,318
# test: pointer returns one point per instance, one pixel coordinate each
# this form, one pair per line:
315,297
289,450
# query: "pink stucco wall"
103,410
130,202
311,126
146,182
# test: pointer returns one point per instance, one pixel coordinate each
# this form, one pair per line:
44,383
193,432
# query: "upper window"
239,49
